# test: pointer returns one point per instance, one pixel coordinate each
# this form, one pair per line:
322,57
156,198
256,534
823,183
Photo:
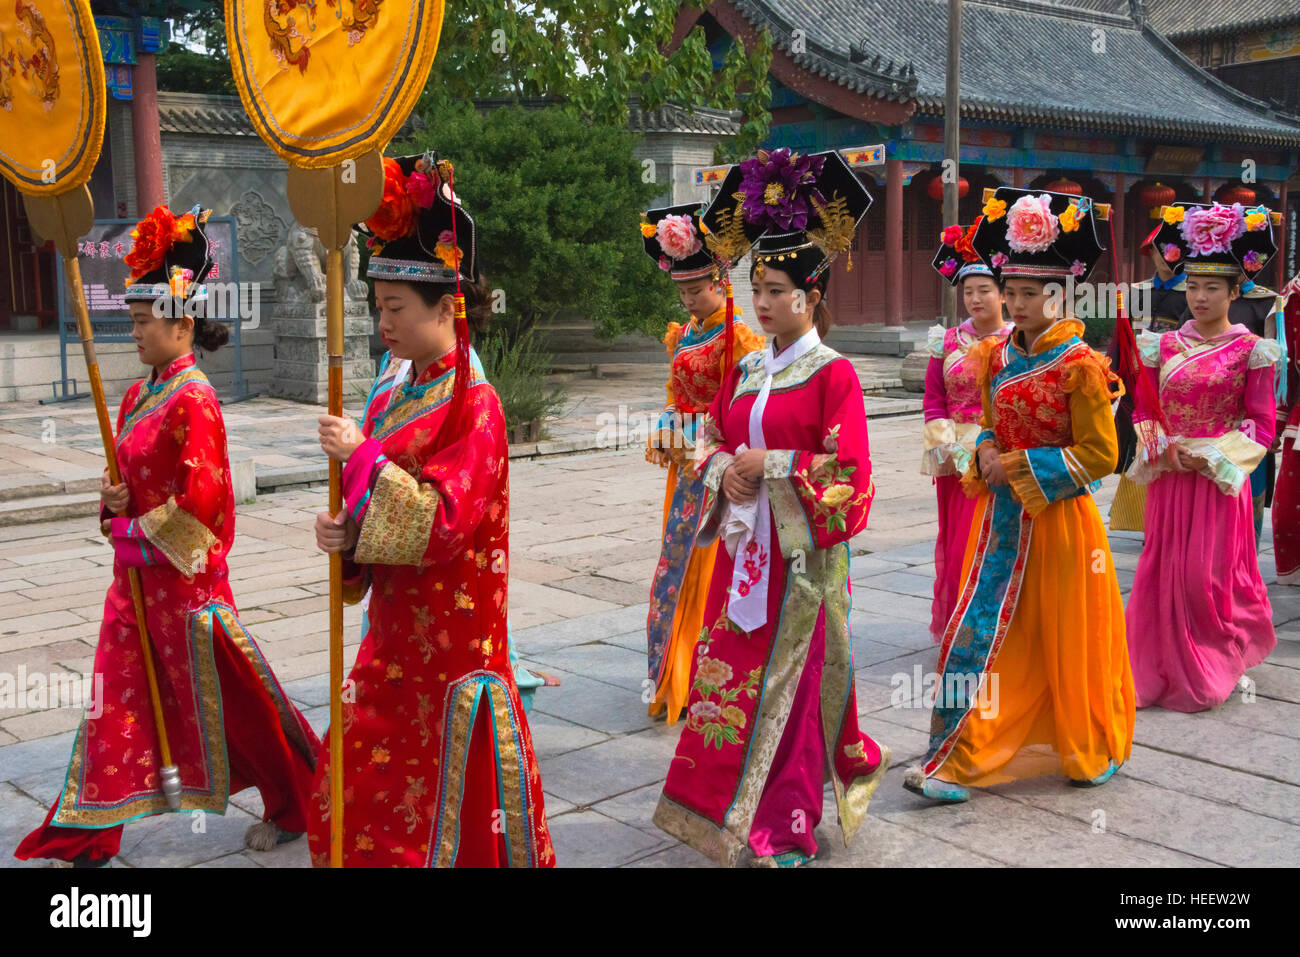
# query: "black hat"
799,212
673,239
1039,234
169,256
1210,239
411,234
958,259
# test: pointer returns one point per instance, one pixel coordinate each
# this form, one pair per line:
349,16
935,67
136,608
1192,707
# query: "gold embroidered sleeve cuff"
178,535
399,520
778,464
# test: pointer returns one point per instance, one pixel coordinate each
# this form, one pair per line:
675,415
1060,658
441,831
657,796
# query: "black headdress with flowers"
419,234
673,239
799,212
170,256
1210,239
422,233
1037,234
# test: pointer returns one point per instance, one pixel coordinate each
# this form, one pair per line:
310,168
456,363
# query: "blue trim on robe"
971,647
677,546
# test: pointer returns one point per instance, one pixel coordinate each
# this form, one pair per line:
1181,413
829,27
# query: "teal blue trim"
501,786
460,797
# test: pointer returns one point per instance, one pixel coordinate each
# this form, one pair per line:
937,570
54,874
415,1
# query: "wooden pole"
952,143
334,346
63,219
331,200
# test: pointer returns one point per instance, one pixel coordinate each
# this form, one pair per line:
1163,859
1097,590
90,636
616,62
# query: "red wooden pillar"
893,242
1119,229
146,136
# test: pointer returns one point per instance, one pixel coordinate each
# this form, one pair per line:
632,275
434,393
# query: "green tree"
592,54
595,54
557,200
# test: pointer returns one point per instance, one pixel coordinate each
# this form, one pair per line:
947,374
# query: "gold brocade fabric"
51,95
335,81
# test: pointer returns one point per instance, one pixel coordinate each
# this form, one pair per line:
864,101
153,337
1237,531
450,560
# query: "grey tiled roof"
203,113
1023,61
216,115
671,118
1185,18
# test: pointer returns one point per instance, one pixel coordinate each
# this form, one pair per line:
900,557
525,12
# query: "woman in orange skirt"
1034,653
702,353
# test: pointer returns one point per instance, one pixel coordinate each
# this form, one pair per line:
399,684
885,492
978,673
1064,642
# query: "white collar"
791,353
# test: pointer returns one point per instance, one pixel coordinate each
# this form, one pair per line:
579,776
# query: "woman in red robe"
229,724
787,473
440,769
1286,502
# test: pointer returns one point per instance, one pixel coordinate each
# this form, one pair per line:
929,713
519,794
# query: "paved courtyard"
1215,789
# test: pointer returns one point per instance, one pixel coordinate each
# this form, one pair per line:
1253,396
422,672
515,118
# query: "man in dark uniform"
1162,298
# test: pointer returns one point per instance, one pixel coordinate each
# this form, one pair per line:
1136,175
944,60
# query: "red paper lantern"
1155,196
935,188
1064,186
1230,193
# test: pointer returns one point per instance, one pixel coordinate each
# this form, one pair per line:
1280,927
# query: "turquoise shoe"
947,792
785,859
1099,780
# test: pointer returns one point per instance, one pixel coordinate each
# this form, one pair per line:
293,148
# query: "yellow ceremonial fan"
51,95
323,83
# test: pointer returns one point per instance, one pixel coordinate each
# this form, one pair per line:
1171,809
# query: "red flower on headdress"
964,244
395,216
153,236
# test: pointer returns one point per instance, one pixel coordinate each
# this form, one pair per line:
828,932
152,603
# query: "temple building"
1073,95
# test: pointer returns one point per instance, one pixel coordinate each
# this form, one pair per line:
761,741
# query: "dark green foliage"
557,200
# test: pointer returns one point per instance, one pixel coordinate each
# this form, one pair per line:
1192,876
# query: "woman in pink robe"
1199,615
952,409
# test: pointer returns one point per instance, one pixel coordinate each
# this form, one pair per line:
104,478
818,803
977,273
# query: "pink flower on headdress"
445,237
421,190
1172,252
664,264
948,268
1032,227
999,260
950,235
1078,268
1212,230
677,236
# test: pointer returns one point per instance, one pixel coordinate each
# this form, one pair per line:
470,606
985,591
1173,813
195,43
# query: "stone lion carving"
299,269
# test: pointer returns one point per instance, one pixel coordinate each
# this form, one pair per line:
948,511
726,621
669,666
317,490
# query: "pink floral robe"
952,415
1199,615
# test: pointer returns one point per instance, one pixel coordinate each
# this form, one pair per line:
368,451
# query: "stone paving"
58,445
1214,789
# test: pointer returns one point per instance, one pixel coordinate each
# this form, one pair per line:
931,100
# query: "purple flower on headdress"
1078,267
776,187
1251,261
948,268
